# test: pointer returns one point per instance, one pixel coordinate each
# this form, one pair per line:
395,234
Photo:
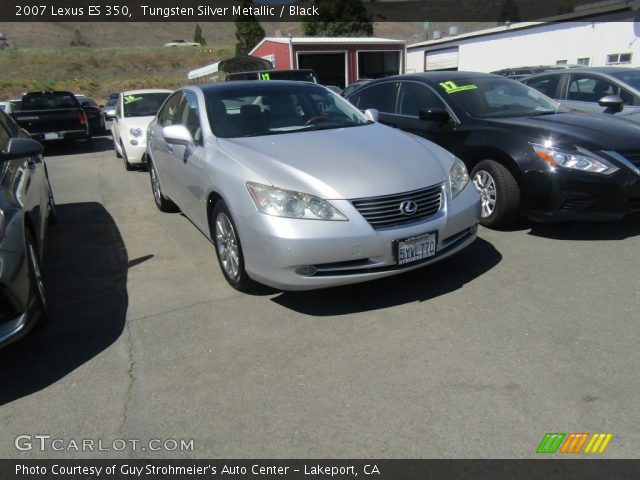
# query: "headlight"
458,177
286,203
575,160
136,132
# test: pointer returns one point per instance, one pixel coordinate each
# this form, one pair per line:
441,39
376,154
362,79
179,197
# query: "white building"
604,36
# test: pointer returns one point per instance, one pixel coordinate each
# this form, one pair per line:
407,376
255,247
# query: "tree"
78,40
197,36
339,18
509,12
248,31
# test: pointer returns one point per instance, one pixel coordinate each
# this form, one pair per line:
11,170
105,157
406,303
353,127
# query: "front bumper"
135,153
346,252
567,195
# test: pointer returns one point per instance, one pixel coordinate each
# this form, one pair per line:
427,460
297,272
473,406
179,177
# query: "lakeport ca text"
143,470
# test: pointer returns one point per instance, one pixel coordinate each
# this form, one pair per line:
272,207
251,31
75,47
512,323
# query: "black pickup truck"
53,116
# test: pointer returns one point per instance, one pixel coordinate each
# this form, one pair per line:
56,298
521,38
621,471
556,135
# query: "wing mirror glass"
177,135
613,102
372,114
20,148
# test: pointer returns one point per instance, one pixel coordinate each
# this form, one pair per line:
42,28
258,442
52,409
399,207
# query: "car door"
188,162
584,90
26,179
161,151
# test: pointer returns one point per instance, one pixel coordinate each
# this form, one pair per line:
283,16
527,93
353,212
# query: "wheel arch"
498,156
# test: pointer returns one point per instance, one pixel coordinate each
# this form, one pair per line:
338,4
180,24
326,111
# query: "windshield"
494,97
271,110
630,77
143,104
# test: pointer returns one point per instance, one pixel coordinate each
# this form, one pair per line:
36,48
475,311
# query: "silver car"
299,190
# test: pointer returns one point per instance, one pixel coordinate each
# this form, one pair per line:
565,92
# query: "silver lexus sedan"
299,190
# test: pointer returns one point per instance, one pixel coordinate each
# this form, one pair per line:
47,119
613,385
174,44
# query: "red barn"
337,61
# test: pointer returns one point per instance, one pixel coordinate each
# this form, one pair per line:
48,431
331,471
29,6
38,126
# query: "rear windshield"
143,104
49,101
297,75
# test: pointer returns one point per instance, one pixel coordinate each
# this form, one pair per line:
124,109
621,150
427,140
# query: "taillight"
82,117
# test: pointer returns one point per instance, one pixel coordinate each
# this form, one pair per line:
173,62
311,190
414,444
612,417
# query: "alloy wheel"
227,245
486,186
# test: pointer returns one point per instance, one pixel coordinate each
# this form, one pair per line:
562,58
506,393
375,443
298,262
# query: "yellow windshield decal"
265,76
130,99
451,87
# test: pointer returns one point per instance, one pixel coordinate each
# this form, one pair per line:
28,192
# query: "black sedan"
26,209
95,114
526,154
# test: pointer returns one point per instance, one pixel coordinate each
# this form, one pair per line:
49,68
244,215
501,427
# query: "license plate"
51,136
414,249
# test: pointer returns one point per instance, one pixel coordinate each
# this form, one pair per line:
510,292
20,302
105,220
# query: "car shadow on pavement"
414,286
86,276
102,143
628,227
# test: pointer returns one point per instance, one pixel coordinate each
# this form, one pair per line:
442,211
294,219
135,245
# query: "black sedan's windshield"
269,110
493,97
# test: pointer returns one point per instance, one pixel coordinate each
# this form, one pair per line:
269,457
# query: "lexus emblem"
408,207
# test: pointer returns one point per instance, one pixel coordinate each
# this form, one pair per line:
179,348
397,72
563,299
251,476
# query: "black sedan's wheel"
229,248
163,203
499,193
35,276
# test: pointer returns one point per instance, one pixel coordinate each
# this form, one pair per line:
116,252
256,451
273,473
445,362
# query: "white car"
181,43
134,112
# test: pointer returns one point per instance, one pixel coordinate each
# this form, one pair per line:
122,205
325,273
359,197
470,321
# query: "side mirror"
177,135
434,115
614,102
101,106
20,148
372,114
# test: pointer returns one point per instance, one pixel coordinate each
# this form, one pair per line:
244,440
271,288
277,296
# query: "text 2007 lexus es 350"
299,190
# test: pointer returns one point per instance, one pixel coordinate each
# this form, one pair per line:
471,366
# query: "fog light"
306,270
473,228
133,142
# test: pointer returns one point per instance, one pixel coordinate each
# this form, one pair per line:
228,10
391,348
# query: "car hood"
343,163
140,122
594,132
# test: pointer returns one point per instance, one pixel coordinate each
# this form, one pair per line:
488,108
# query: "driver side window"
190,118
168,115
415,97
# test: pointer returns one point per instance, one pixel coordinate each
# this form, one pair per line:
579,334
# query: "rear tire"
163,203
229,249
499,192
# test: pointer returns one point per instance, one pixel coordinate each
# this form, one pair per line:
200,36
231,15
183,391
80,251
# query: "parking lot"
528,331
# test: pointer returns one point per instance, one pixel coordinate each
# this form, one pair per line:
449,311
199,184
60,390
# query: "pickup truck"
53,116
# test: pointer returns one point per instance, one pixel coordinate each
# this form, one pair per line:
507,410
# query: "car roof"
440,76
148,90
242,84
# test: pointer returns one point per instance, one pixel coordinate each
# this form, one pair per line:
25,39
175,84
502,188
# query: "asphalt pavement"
528,331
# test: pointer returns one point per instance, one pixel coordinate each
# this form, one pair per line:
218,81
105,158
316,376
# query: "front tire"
499,193
229,248
163,203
